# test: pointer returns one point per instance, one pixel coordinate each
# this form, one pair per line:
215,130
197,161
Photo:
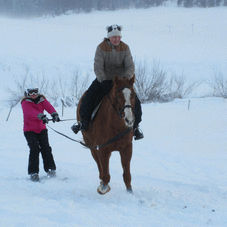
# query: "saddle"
95,111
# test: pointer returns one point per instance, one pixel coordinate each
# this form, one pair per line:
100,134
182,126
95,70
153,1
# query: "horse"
112,130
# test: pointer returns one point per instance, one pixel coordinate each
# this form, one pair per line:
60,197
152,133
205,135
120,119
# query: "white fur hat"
114,30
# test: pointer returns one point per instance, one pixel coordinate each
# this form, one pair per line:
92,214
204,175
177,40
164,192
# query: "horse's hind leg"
126,156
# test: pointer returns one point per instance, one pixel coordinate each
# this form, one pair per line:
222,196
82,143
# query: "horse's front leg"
126,156
95,155
104,157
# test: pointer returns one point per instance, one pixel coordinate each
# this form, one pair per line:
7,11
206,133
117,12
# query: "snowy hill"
189,42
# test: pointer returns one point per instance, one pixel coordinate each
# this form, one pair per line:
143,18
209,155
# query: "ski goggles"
110,29
33,91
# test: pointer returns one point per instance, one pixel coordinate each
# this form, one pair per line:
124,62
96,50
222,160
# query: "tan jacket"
111,60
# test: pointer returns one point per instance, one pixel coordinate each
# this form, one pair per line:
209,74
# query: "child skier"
35,132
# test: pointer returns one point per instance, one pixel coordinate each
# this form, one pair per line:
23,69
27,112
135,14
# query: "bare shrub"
79,85
180,87
150,82
68,92
43,83
153,84
59,90
16,92
63,92
219,85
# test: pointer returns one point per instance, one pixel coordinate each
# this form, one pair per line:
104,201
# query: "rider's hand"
43,117
55,117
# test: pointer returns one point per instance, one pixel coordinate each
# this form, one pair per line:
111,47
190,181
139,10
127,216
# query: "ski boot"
34,177
51,173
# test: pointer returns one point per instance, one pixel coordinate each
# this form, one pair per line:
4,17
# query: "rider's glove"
43,117
55,117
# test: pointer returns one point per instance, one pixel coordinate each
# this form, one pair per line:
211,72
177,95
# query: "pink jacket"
31,111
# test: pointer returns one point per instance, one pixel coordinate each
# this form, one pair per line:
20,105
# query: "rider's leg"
86,106
138,134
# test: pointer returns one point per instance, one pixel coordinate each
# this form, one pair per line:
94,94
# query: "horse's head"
124,99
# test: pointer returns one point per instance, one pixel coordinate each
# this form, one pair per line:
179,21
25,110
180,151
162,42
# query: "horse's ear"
132,80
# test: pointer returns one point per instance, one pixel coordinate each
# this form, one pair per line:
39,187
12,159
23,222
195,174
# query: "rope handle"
64,119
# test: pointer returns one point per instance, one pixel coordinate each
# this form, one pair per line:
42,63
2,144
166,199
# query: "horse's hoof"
129,190
102,189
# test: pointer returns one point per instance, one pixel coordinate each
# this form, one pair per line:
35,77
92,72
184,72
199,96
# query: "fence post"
9,112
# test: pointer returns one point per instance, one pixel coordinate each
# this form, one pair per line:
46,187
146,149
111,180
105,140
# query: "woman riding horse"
112,57
111,130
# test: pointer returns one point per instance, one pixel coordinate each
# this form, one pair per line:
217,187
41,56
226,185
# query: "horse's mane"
125,81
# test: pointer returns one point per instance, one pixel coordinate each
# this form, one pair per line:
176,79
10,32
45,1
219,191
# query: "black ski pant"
94,95
38,142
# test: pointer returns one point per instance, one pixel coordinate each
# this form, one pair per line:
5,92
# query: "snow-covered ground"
178,169
178,173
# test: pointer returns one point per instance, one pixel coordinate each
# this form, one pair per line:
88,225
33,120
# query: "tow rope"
65,135
118,136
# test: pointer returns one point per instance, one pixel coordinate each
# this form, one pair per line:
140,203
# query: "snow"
178,169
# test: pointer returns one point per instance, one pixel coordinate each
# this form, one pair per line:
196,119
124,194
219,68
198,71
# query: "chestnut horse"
112,130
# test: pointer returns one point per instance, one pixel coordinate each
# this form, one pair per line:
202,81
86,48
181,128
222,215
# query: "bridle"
120,112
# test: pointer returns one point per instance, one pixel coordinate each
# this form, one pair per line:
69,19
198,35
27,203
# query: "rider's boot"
82,126
138,134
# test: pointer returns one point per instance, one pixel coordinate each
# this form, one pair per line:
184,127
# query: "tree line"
58,7
201,3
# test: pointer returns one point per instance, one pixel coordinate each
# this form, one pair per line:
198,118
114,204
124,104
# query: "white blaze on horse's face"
129,117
